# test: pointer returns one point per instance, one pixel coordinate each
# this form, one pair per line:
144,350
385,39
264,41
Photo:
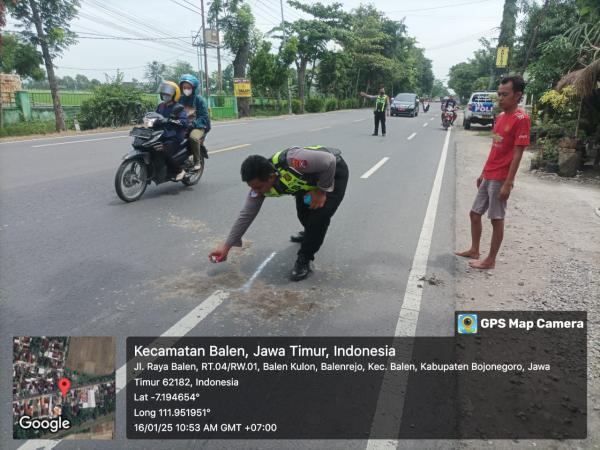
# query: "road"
77,261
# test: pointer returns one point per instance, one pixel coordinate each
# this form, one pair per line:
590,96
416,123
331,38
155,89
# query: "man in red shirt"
511,136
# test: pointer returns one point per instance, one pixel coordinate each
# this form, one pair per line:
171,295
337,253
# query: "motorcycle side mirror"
177,109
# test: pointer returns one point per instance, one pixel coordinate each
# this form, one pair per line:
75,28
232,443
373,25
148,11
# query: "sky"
448,30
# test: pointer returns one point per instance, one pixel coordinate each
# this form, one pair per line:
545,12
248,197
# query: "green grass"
28,128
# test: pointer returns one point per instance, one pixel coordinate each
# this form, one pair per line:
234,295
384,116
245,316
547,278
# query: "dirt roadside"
549,260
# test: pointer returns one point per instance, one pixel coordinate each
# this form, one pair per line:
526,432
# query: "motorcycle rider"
450,102
175,123
197,113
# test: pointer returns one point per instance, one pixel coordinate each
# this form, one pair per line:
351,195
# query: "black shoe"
301,269
297,238
374,134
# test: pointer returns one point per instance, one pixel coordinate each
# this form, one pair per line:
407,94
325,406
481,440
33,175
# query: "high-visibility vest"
289,180
380,103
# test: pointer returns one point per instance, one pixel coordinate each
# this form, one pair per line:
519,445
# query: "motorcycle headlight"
149,122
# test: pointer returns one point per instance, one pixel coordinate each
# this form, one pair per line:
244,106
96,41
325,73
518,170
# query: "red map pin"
64,384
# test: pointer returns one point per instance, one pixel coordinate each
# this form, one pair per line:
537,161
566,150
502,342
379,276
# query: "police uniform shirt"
320,164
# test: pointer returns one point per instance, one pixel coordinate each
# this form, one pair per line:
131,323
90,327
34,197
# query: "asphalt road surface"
76,260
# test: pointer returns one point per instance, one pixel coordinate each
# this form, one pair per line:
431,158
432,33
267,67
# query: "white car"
480,109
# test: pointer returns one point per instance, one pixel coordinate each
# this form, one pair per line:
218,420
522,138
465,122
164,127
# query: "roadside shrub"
113,105
350,103
331,104
296,105
314,105
29,128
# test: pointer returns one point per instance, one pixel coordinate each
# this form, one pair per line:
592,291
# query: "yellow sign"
242,87
502,57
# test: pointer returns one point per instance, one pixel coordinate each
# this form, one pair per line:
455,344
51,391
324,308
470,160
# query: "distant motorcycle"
146,163
448,117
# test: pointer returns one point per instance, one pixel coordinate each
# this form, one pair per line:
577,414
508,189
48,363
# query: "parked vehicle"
480,109
405,104
146,163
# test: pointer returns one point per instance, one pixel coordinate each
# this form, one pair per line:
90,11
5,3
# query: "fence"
222,107
38,106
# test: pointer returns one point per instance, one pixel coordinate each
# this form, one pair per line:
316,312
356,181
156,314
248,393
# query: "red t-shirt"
511,130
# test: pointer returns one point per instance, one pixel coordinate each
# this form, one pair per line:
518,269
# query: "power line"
123,16
186,7
119,68
461,40
439,7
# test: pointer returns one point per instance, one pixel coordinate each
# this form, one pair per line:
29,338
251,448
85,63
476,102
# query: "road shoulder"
548,260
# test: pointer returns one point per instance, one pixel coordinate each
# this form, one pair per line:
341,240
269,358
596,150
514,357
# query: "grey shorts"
487,200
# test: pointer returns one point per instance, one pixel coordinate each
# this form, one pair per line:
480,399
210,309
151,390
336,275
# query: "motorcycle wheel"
194,175
131,180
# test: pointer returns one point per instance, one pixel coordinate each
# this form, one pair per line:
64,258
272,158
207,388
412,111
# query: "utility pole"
220,74
284,43
196,43
205,57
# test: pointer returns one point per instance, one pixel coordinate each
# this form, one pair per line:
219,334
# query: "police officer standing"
382,109
317,176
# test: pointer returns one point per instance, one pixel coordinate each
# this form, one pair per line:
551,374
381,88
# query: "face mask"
165,97
187,92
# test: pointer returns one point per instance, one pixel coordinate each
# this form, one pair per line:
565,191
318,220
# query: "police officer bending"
317,176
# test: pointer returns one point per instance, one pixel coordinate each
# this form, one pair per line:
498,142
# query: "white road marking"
411,136
432,118
227,149
78,142
63,137
319,129
373,169
359,120
413,294
411,305
231,124
425,124
246,287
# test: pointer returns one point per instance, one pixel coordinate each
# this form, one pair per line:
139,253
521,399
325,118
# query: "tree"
238,26
268,71
312,36
20,57
154,73
82,82
175,71
438,89
474,74
51,20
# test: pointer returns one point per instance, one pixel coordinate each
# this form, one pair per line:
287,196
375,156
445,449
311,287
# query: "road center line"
227,149
409,312
425,124
359,120
411,136
373,169
432,118
78,142
319,129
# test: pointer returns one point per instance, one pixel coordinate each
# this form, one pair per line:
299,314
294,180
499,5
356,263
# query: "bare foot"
468,254
483,264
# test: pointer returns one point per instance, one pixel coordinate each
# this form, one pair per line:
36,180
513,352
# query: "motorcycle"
448,117
146,163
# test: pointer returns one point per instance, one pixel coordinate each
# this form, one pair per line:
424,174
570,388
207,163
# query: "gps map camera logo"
467,323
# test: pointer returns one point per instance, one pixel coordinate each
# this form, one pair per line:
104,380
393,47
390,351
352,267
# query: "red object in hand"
216,259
